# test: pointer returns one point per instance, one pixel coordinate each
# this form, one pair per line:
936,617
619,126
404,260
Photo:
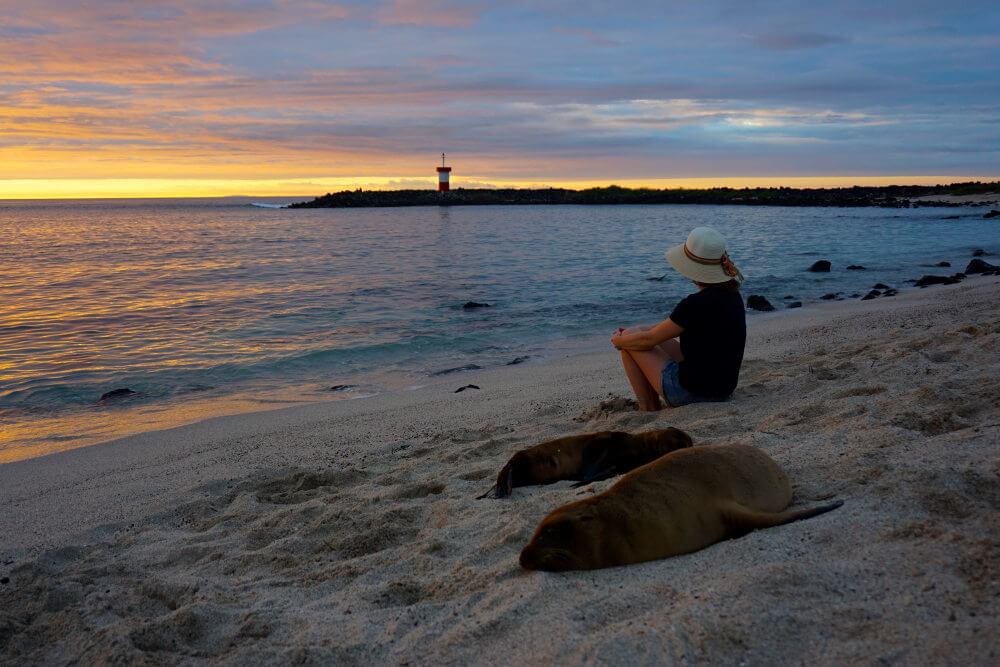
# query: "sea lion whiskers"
552,559
559,541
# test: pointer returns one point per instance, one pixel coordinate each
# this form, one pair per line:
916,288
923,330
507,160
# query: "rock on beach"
117,395
757,302
979,266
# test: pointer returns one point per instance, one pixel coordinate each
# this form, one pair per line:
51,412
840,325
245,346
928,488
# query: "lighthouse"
443,172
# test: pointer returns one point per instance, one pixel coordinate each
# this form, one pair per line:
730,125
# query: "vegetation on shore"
890,196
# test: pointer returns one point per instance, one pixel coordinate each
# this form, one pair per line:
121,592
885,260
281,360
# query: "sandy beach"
348,532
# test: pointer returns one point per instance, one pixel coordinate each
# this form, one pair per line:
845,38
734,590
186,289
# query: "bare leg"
645,393
672,348
644,369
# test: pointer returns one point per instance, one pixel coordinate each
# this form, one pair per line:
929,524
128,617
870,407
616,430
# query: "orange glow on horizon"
125,188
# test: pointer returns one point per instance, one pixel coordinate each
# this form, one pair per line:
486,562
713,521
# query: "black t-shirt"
715,331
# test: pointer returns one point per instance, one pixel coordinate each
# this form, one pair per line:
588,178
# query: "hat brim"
701,273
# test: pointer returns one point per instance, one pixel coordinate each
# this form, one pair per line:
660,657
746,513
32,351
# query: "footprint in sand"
464,435
477,475
608,408
941,356
398,594
931,423
421,490
298,487
807,414
194,627
860,391
360,534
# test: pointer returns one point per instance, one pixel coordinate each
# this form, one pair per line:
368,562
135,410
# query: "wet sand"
348,532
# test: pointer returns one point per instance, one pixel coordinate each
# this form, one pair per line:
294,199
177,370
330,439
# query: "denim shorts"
676,394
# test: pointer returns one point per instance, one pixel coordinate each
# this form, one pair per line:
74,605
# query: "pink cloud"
433,13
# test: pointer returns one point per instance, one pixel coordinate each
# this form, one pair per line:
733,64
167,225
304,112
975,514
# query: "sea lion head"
567,539
667,440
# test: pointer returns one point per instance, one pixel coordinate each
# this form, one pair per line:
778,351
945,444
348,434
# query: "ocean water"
202,306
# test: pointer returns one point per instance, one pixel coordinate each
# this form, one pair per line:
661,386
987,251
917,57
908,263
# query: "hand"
616,338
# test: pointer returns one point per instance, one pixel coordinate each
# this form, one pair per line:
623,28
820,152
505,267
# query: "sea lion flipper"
491,492
591,477
742,520
595,463
505,483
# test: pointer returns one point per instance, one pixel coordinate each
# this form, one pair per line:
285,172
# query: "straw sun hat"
703,258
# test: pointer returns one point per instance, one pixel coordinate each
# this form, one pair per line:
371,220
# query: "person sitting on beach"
695,354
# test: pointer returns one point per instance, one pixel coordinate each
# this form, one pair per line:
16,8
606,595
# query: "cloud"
591,37
792,41
432,13
299,89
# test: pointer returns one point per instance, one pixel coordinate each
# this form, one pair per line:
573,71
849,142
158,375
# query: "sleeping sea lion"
586,458
679,503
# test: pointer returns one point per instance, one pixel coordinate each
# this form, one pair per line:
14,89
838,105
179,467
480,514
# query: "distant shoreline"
889,196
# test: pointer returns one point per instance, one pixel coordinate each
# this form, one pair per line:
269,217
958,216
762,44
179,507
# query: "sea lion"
679,503
586,458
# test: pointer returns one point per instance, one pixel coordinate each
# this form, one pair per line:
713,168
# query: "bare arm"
647,338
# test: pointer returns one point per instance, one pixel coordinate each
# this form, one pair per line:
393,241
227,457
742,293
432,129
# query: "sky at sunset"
268,97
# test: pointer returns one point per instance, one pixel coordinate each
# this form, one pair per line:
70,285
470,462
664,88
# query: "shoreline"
889,196
348,531
153,416
765,330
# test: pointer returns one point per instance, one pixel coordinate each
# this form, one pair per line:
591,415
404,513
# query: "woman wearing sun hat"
695,354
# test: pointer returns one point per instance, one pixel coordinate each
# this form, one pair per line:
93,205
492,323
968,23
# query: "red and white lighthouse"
443,172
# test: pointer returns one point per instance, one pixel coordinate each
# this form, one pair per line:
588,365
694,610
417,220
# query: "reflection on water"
192,303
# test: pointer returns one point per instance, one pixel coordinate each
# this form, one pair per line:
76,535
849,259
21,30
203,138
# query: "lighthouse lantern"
443,172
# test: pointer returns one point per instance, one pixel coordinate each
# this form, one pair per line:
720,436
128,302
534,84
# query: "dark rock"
5,581
979,252
457,369
757,302
829,297
943,265
855,295
821,266
855,267
117,394
937,280
789,297
890,292
472,305
871,295
517,360
992,214
342,387
952,217
794,304
657,278
880,286
979,266
468,386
